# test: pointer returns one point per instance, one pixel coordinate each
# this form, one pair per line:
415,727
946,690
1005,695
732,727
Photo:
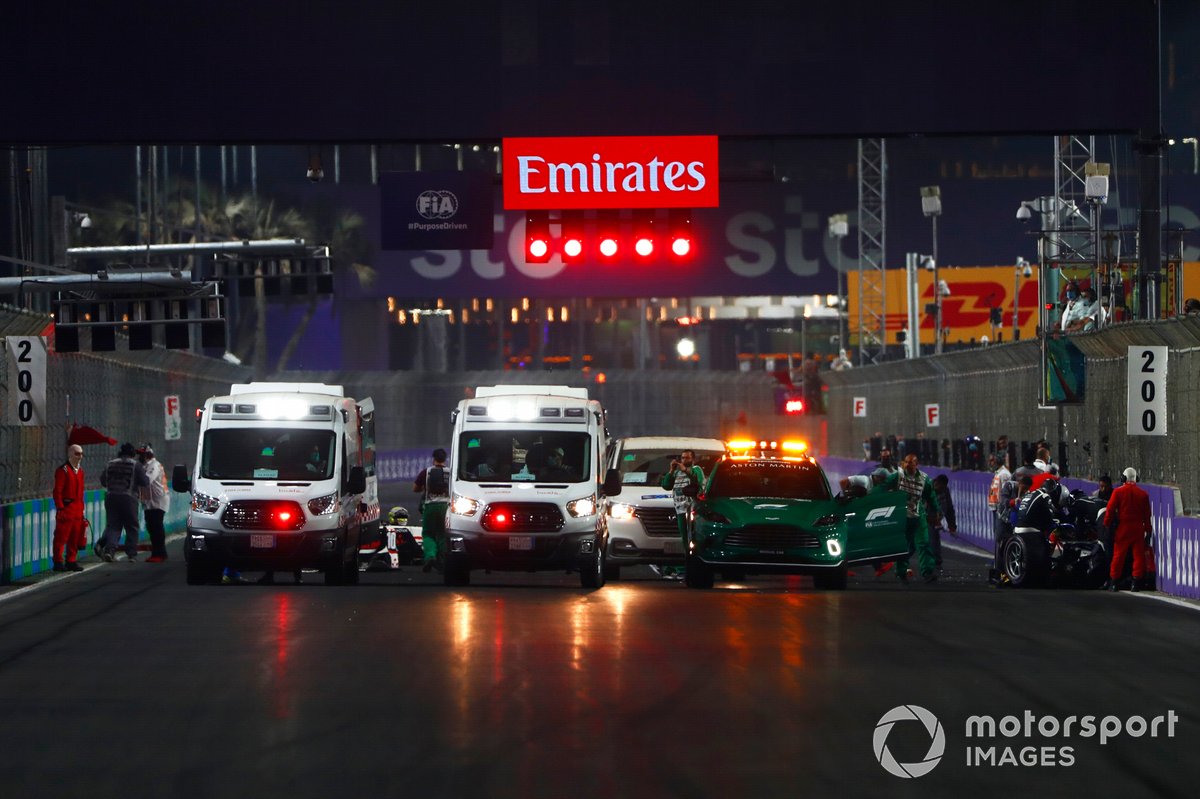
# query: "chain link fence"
120,394
993,391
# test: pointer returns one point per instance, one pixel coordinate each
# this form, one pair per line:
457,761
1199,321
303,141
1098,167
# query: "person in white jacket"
156,501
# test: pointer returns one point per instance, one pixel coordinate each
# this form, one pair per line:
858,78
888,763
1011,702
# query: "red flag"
83,435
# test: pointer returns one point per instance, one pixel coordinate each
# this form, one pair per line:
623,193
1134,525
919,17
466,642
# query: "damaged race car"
1059,540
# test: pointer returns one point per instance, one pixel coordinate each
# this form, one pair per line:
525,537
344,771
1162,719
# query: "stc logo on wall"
611,172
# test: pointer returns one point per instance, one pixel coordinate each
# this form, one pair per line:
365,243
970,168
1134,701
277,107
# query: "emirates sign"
611,172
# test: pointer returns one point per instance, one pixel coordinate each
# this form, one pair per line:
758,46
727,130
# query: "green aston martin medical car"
770,511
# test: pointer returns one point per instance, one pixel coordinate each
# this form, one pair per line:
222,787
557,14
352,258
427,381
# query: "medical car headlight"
582,507
833,547
464,506
203,503
319,506
620,511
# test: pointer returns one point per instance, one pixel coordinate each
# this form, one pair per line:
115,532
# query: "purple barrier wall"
1176,538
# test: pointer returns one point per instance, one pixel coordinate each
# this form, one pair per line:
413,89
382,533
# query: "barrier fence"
993,391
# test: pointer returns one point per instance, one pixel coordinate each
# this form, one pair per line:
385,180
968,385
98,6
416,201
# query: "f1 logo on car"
880,513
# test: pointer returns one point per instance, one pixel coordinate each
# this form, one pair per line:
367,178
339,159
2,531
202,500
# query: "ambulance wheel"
455,574
591,570
198,574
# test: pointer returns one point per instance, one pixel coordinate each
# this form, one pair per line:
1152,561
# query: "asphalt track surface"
123,681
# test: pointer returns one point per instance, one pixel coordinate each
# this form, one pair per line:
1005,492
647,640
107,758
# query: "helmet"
398,515
1053,489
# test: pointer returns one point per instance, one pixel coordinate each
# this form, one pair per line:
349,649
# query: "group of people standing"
134,478
1032,496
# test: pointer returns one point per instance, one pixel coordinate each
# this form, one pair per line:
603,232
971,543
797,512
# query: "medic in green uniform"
684,479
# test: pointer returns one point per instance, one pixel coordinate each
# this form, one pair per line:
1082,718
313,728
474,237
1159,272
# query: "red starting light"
680,222
537,237
608,246
572,236
643,233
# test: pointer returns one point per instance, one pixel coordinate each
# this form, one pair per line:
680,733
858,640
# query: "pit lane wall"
28,532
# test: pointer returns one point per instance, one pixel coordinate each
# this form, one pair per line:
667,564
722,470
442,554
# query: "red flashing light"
794,406
501,518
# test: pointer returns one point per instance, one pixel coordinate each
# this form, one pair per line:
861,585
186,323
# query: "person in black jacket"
941,487
122,477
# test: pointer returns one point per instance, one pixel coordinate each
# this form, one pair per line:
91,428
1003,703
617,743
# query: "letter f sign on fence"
933,416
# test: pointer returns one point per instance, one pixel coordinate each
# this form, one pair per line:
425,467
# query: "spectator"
156,501
1104,488
941,489
1129,511
921,503
122,477
433,484
70,526
1083,313
841,362
1191,306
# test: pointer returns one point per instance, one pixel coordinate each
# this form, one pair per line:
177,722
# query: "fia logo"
437,204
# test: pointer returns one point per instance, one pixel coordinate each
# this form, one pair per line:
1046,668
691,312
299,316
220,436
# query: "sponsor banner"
436,210
610,172
966,312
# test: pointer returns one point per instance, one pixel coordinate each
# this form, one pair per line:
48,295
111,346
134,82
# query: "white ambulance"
527,483
284,480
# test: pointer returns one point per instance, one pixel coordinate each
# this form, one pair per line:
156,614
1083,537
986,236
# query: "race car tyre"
591,570
1024,560
697,573
455,574
834,580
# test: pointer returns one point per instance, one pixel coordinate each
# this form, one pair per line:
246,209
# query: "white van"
284,480
527,466
641,517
